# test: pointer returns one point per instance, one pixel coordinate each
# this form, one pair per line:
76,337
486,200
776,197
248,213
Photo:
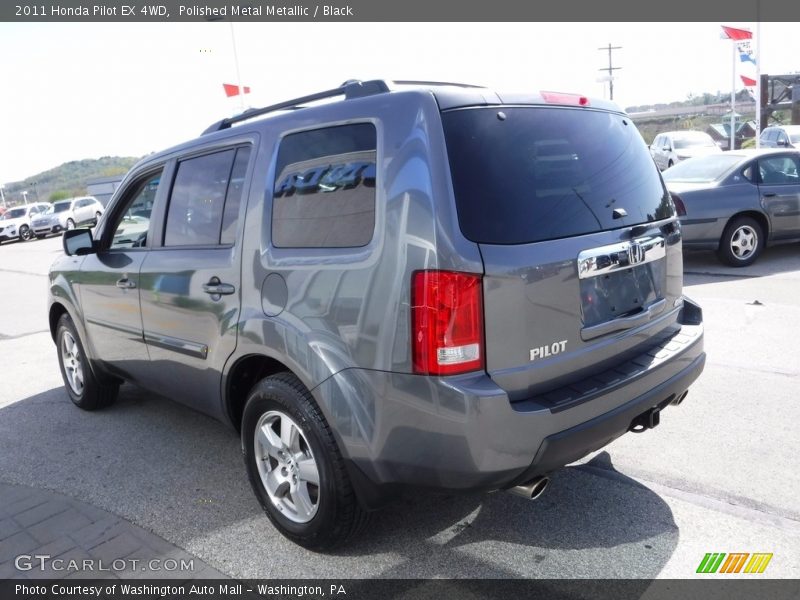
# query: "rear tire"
670,164
295,467
82,386
741,242
70,224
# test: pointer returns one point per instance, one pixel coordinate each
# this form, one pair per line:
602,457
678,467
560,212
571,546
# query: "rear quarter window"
324,189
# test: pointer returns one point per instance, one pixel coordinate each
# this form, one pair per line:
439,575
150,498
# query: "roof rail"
349,89
413,82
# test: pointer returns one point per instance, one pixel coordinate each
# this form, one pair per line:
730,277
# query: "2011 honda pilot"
390,285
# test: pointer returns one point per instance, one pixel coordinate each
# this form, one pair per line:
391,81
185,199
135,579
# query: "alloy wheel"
287,467
73,365
744,242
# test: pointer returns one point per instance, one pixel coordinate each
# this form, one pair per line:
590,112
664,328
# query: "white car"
16,223
68,214
672,147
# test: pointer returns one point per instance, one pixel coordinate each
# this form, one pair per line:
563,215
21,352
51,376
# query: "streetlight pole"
25,196
2,195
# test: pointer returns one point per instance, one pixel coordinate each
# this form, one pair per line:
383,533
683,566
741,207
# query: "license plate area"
619,281
622,293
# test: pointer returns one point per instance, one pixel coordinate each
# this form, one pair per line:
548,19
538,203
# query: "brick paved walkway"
39,522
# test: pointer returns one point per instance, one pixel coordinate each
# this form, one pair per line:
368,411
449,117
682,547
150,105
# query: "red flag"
737,34
233,90
747,81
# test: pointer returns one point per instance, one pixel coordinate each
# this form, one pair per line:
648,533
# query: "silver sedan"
738,202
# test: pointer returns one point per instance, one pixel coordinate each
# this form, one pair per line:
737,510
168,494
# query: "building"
103,188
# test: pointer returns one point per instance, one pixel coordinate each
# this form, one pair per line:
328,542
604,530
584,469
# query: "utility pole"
610,69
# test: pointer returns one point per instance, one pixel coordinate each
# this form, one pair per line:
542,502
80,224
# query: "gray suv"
408,286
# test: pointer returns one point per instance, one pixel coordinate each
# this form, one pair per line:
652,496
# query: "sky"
84,90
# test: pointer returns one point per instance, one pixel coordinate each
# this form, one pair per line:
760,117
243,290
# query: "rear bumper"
462,433
576,442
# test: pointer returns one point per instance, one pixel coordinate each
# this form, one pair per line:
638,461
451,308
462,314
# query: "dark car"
738,202
780,136
408,286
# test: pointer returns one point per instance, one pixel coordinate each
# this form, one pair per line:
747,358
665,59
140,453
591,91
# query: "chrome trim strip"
137,333
177,345
615,257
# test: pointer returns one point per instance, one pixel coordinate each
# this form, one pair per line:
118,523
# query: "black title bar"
401,10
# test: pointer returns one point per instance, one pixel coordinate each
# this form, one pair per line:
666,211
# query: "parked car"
68,214
738,202
408,286
780,136
671,147
16,222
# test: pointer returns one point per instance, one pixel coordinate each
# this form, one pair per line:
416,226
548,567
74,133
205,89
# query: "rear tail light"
680,207
446,322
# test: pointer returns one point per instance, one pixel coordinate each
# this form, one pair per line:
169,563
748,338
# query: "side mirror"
77,242
783,143
666,148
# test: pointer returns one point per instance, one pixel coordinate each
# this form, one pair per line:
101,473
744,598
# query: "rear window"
527,174
703,168
700,140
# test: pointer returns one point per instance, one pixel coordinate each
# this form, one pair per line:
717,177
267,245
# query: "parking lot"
718,475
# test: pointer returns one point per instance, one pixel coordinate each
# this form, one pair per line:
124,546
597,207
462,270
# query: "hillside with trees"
67,180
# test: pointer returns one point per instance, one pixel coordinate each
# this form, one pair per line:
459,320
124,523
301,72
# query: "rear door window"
197,200
528,174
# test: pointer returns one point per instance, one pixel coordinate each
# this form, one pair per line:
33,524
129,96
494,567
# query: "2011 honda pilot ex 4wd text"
409,285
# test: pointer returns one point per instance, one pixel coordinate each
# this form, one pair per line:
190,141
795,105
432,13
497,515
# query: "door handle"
216,288
126,284
769,194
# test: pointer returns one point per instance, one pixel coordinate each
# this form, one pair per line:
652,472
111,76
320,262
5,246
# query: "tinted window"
778,170
545,173
324,194
133,222
62,206
196,203
233,199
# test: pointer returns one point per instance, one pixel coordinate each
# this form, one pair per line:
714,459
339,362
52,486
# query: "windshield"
526,174
61,206
15,213
703,168
695,141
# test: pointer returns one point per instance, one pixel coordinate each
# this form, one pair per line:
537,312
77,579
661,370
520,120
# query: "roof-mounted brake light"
561,98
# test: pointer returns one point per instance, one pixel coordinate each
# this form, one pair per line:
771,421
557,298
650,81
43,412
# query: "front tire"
82,386
741,242
25,234
295,467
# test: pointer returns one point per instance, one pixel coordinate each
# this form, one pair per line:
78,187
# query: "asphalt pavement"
718,475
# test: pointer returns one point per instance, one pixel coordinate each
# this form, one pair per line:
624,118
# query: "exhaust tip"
533,489
680,398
